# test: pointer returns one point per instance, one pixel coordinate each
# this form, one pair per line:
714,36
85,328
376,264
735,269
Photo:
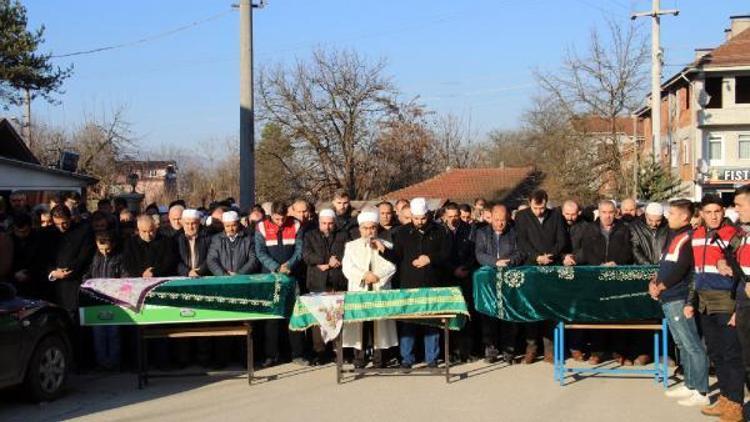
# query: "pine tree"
657,183
21,66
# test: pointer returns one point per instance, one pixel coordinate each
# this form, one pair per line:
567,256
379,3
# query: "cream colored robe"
359,258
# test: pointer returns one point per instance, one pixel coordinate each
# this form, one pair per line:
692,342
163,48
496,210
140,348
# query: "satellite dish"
702,166
703,98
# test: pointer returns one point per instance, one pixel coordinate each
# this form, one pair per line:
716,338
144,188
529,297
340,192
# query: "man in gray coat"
233,251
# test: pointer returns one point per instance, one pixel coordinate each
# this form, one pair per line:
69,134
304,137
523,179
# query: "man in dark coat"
649,235
462,263
497,246
149,253
422,253
193,243
322,251
233,251
28,277
345,221
388,221
71,248
605,241
542,239
175,222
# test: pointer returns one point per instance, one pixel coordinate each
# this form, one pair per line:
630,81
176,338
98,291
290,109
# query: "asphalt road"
483,393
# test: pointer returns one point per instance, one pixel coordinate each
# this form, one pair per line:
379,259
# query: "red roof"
735,52
464,185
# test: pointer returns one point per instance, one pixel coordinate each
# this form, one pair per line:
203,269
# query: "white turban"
230,217
654,208
367,217
418,207
191,214
327,213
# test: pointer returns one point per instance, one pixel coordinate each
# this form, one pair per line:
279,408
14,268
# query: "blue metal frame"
660,370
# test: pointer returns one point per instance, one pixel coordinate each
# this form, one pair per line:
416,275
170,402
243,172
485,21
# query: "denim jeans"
431,343
692,352
726,353
107,345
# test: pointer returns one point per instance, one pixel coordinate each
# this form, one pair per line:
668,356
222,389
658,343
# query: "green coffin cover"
570,294
156,314
391,304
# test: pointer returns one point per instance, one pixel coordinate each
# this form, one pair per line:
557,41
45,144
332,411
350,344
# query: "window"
713,90
687,98
742,90
715,150
744,147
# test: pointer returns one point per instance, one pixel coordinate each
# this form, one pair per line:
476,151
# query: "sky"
474,59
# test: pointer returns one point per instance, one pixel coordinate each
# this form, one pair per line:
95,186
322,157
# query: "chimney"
701,52
739,23
728,34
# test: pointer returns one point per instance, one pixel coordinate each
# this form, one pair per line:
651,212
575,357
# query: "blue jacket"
488,252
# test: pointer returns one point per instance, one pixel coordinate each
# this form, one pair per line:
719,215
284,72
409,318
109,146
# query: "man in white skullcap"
233,251
193,243
422,253
649,235
365,268
322,252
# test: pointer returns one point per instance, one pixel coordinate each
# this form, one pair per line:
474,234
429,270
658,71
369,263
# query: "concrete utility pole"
247,111
27,116
656,63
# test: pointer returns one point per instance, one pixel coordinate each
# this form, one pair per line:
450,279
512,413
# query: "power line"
145,39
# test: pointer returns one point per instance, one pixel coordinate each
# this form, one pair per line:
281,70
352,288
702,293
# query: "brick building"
705,124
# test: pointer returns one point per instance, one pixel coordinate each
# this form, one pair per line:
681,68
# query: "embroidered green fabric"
570,294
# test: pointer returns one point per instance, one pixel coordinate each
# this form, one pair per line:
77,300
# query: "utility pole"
247,111
27,116
656,63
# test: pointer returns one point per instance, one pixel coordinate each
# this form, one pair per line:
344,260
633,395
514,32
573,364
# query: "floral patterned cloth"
328,311
128,292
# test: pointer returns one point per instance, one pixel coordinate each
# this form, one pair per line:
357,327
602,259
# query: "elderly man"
603,242
497,246
322,251
71,247
232,252
278,245
422,254
193,243
149,254
174,227
649,235
302,211
365,268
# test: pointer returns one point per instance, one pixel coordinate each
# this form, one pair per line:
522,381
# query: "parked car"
35,347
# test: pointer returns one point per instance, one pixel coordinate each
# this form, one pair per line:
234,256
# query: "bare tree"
606,82
331,109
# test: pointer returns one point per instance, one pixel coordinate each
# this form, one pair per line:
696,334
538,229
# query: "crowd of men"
701,249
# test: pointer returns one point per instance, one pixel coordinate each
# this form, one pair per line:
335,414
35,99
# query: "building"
509,184
21,171
705,124
156,180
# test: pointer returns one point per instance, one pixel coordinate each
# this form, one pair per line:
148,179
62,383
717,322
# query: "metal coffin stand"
144,333
444,320
660,370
